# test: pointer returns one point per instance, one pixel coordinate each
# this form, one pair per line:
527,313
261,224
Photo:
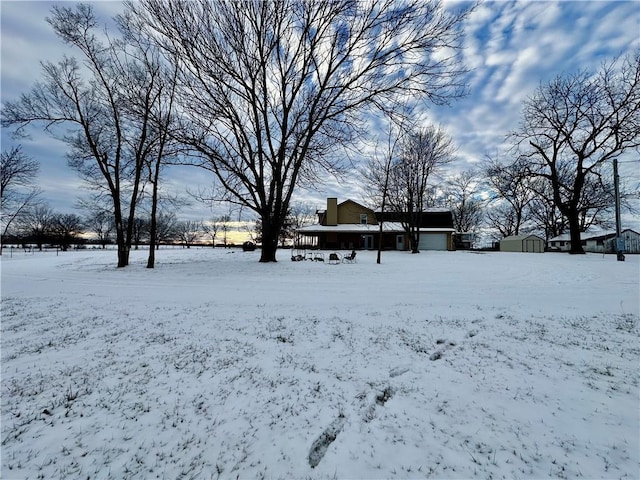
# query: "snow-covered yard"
438,365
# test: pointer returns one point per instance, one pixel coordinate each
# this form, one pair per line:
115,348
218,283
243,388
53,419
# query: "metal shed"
522,243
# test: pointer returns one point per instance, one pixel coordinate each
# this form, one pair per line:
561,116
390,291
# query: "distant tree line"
27,219
42,227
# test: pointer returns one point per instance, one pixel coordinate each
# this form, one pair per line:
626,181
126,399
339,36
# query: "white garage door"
433,241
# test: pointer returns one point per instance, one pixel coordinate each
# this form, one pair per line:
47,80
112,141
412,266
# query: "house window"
363,218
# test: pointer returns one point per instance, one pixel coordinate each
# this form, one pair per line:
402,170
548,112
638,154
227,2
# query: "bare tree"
377,171
139,231
211,229
216,226
66,229
152,100
462,196
501,217
103,108
224,228
188,231
37,225
271,91
520,200
573,126
18,190
423,153
544,214
166,225
511,193
100,223
300,214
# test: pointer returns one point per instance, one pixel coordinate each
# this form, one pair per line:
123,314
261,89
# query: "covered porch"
352,237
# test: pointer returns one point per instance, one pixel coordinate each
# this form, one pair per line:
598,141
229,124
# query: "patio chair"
350,258
334,258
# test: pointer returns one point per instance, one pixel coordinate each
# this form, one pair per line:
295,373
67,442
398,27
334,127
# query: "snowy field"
438,365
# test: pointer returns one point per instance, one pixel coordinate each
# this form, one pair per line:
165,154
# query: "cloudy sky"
510,47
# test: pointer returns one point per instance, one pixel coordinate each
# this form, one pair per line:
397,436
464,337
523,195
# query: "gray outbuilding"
522,243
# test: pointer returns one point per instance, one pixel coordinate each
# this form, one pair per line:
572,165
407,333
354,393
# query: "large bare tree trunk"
574,231
153,228
270,235
123,248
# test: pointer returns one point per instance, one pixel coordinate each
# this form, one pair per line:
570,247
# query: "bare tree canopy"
188,231
422,154
573,127
37,225
270,90
300,214
100,223
66,229
462,196
376,172
510,195
109,107
523,201
18,190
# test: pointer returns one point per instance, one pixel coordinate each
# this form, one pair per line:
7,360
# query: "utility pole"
619,239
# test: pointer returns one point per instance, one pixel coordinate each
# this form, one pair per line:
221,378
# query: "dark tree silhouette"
376,172
104,106
576,124
66,228
422,154
461,194
511,193
36,227
18,189
271,91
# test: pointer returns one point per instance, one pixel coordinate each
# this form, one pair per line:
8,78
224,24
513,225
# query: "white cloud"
515,46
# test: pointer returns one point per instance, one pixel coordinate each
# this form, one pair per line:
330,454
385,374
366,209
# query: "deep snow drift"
437,365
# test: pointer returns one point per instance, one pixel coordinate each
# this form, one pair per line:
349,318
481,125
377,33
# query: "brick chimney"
332,211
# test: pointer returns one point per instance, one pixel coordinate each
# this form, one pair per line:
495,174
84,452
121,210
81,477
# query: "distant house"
631,240
598,241
561,243
349,225
522,243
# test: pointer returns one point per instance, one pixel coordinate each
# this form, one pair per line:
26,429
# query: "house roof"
431,218
355,203
522,237
566,237
387,227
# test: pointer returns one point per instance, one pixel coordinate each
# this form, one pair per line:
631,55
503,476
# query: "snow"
212,365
